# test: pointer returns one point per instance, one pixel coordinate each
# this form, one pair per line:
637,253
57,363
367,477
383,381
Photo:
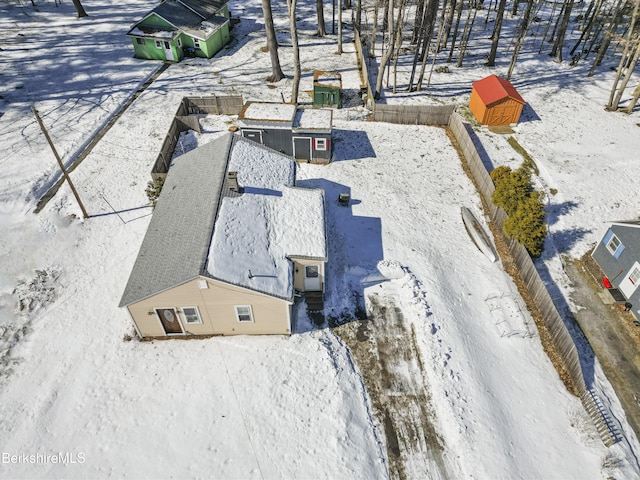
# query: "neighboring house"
304,134
327,89
231,240
494,101
618,255
175,28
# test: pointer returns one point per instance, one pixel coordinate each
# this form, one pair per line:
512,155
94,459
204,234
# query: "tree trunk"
524,28
491,60
634,101
272,43
394,40
296,51
418,23
358,19
79,9
459,6
556,51
624,66
449,22
320,12
339,52
587,29
468,26
608,35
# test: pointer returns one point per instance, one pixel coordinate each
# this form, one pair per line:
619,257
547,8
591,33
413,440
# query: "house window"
196,43
243,313
320,143
311,271
140,41
615,246
179,43
191,315
158,44
634,276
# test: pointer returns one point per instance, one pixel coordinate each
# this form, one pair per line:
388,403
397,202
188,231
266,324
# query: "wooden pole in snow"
55,153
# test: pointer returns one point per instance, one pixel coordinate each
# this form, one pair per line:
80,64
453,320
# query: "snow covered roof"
492,89
257,232
313,119
271,112
327,79
176,244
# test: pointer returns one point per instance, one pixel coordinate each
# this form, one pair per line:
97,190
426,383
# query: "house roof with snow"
197,18
493,89
257,232
199,227
308,119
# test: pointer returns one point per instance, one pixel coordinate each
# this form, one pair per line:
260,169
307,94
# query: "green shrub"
524,206
154,187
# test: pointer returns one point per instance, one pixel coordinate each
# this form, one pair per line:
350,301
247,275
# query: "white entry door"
168,53
312,278
631,282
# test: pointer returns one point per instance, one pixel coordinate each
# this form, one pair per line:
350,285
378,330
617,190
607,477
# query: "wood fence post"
64,171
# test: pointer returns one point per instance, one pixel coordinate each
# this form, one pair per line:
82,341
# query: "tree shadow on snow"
354,250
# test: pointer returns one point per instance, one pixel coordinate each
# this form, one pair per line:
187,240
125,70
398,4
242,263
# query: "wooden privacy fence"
186,119
414,115
559,333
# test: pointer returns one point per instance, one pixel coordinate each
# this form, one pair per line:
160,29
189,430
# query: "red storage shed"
495,101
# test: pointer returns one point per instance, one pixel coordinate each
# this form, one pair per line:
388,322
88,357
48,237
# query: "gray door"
302,148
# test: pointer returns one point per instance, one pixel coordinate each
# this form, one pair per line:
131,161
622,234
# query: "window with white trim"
196,43
320,143
191,315
613,244
244,313
634,276
179,43
158,44
140,41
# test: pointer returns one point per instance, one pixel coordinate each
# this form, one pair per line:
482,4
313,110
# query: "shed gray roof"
175,247
204,8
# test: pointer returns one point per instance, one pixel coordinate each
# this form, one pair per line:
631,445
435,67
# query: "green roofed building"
175,28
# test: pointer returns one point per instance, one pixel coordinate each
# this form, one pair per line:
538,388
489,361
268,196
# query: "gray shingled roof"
177,14
175,247
204,8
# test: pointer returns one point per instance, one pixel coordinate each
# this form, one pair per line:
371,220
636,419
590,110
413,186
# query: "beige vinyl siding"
216,305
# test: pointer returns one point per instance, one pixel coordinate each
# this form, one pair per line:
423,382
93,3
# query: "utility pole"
55,153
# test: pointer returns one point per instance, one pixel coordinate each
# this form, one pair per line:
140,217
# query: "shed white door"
168,53
312,279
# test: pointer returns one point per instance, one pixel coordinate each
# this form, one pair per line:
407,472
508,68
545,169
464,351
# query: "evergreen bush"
524,206
154,187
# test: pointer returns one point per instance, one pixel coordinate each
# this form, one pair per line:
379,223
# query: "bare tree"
634,101
395,40
339,52
80,9
627,63
524,28
320,11
495,37
468,26
272,43
563,21
291,4
609,34
459,6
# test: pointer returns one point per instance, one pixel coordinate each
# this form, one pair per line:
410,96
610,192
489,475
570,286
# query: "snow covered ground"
274,407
